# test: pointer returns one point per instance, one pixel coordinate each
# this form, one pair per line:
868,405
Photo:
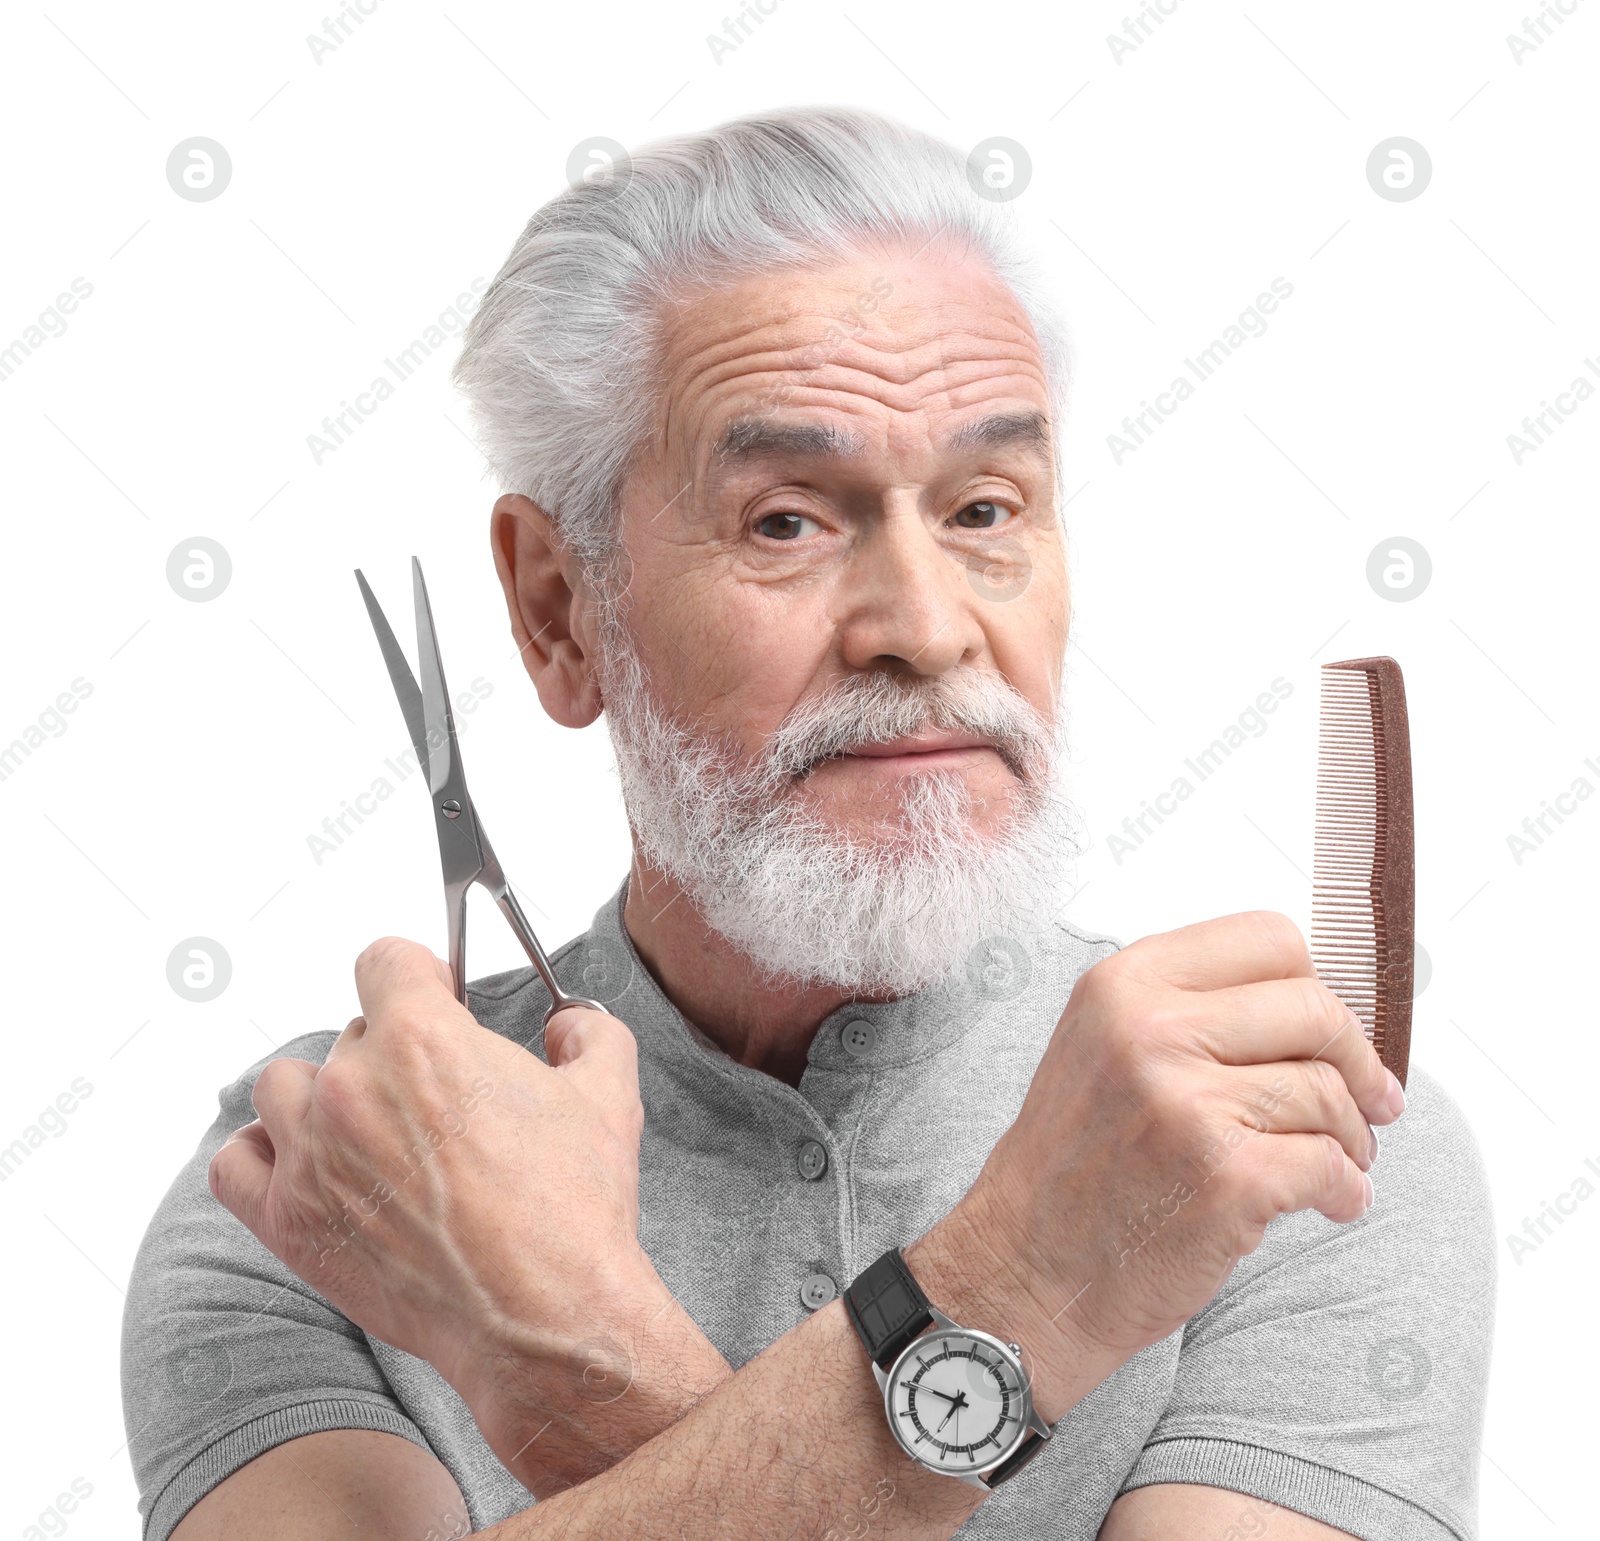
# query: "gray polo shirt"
1341,1371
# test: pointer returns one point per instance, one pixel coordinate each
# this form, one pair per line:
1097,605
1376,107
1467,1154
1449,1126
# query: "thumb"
241,1173
598,1054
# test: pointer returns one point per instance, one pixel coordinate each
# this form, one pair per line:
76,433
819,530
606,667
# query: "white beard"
811,904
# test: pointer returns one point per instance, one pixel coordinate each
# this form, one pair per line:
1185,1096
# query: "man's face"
852,473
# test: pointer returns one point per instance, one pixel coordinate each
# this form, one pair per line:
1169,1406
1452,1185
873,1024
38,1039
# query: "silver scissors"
464,848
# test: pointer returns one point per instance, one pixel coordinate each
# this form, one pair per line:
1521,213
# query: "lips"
920,744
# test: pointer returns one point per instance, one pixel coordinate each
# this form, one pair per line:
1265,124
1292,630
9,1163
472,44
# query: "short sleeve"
1342,1370
225,1353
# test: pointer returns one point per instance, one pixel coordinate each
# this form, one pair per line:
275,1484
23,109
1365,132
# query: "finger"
598,1054
1278,1019
1284,1173
282,1098
1232,950
1301,1097
401,983
241,1173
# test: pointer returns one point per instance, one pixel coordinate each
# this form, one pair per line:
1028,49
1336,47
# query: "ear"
541,579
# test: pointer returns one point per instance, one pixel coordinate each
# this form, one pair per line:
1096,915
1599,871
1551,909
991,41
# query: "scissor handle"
456,903
559,999
562,1002
455,900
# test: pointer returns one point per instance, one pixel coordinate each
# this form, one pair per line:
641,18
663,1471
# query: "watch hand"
920,1389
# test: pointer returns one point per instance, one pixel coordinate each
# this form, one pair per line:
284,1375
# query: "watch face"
957,1400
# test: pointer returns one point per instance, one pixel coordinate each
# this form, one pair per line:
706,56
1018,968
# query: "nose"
907,604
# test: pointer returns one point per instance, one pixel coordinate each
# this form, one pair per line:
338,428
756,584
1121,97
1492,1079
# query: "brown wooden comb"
1363,897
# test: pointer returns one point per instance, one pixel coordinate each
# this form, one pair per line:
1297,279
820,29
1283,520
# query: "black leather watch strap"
887,1308
1028,1446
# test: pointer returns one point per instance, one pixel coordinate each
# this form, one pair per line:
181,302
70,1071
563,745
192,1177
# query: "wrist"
561,1400
969,1268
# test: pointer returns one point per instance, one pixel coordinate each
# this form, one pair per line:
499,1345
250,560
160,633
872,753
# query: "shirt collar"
605,965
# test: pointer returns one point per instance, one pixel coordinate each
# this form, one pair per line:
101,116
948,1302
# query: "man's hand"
1199,1084
460,1199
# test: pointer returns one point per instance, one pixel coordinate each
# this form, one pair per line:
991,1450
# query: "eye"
983,516
786,526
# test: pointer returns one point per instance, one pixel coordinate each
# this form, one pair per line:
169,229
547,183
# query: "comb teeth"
1362,900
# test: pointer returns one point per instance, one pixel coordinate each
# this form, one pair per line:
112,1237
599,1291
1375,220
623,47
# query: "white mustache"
878,708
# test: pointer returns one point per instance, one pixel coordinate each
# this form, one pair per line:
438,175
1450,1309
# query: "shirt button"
858,1037
816,1290
813,1161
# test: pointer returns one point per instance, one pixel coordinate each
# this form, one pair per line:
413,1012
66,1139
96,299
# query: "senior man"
774,411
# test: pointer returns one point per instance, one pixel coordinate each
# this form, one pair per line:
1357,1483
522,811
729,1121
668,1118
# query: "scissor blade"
405,684
444,762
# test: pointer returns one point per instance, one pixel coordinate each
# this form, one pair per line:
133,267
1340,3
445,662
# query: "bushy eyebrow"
999,428
747,439
752,439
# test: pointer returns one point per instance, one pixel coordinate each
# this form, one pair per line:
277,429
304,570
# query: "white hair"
558,363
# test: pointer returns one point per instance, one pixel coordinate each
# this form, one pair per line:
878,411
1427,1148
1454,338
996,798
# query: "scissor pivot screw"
452,809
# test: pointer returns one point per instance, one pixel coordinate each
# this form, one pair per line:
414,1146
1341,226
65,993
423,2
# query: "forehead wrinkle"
891,367
899,355
944,387
904,363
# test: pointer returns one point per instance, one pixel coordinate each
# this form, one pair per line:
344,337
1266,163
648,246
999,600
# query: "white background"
1168,189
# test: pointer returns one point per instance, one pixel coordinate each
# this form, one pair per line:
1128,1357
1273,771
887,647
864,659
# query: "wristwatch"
958,1400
